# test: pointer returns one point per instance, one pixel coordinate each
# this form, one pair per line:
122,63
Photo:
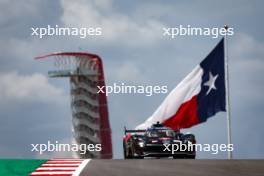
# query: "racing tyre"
190,157
178,157
125,154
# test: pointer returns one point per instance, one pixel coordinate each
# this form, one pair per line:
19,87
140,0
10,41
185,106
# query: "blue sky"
35,109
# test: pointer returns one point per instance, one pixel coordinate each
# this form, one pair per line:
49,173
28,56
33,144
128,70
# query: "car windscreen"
161,133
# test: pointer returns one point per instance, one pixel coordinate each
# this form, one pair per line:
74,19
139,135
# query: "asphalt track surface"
166,167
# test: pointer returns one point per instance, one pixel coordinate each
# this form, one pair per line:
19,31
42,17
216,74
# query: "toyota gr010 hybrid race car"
158,141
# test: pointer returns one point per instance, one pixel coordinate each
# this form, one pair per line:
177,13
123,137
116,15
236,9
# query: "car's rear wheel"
125,151
178,157
128,153
125,154
134,155
190,157
140,157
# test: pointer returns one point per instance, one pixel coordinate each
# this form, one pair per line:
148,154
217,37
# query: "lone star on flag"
211,83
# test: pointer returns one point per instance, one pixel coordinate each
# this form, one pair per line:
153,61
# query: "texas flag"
200,95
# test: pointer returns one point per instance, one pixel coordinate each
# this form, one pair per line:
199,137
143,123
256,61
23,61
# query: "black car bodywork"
153,141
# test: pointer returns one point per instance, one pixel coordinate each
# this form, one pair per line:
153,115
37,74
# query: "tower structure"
89,109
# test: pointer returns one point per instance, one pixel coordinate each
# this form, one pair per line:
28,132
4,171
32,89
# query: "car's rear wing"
133,131
143,131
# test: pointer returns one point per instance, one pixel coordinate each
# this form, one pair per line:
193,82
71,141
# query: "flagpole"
228,114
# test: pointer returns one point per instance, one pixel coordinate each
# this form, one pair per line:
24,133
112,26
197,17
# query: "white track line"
80,160
81,167
60,164
52,173
61,169
61,161
56,168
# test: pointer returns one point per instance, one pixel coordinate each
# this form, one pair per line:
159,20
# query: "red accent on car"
164,139
128,136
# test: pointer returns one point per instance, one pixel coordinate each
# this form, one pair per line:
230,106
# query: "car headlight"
141,144
166,142
176,141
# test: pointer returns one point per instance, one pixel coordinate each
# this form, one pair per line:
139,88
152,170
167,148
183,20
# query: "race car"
158,141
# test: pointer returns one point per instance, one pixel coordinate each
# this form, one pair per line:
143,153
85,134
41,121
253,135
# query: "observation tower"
89,109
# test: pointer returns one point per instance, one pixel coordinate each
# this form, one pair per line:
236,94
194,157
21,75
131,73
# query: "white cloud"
21,49
246,53
103,4
246,68
128,72
245,46
14,9
28,88
116,27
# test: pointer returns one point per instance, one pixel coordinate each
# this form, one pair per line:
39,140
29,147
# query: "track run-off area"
132,167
